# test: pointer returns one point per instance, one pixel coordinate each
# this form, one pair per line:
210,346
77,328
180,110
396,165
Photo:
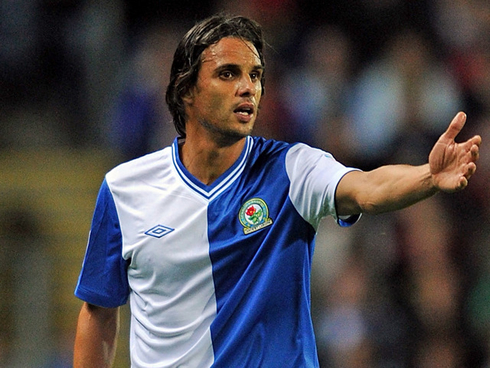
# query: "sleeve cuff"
346,221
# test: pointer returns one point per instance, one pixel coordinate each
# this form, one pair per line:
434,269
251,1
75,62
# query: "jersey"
217,275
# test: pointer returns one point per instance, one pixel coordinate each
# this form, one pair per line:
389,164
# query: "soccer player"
212,238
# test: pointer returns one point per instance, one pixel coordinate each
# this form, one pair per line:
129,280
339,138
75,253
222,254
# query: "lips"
245,111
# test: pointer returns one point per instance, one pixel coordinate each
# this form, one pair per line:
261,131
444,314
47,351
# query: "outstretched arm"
392,187
95,340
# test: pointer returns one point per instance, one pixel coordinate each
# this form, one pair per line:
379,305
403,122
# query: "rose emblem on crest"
254,215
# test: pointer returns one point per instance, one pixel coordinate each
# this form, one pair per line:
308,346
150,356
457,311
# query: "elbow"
371,208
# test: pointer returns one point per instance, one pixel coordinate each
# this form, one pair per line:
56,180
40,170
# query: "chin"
232,137
229,135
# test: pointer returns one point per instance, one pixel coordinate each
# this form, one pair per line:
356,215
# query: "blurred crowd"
371,81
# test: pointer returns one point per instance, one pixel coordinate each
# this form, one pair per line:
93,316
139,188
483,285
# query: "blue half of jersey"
217,275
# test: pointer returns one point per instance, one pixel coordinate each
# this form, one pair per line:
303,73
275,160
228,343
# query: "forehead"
231,50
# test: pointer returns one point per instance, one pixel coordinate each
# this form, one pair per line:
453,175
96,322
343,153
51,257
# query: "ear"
188,97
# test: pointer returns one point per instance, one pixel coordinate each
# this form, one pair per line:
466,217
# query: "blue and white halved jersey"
216,275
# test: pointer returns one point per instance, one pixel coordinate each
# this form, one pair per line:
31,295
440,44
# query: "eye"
226,74
255,76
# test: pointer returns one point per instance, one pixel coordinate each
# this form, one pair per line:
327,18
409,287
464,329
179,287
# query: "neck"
208,160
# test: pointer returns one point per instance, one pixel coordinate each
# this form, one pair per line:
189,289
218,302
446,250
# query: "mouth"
245,111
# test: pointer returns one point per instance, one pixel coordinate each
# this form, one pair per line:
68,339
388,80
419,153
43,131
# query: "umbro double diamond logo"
159,231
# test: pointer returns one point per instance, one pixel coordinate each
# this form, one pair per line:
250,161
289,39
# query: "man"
212,238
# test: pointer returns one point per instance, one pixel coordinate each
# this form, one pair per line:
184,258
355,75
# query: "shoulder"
304,160
296,153
303,152
141,166
269,147
267,154
264,145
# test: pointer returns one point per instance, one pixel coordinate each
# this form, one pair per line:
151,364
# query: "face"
224,103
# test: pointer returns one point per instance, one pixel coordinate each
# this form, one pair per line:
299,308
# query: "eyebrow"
231,66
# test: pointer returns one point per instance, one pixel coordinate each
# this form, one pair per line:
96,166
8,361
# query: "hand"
452,164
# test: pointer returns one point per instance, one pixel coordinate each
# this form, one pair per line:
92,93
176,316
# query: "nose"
247,87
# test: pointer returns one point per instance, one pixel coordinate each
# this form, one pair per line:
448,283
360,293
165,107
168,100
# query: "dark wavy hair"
187,58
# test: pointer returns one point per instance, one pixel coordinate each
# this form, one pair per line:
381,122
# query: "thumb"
455,126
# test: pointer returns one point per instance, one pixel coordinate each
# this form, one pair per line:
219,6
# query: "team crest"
254,215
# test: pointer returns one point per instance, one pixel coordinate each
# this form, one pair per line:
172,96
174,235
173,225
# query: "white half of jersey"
217,275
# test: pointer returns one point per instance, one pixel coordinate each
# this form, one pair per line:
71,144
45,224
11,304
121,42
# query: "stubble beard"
225,137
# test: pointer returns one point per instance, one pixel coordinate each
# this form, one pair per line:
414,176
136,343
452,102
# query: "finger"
455,126
470,170
463,181
472,151
475,152
472,145
476,140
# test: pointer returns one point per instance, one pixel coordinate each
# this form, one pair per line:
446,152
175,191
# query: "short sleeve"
314,175
103,279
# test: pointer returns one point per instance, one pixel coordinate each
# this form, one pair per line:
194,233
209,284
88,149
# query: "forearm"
95,340
387,188
393,187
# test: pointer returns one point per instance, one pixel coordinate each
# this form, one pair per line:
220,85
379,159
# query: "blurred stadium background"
373,81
